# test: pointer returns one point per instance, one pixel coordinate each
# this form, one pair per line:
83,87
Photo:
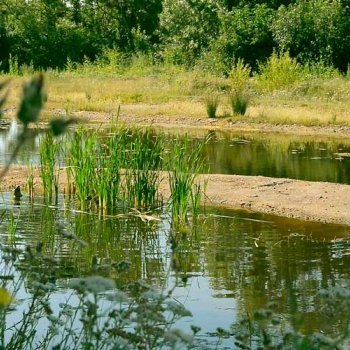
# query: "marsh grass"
143,164
211,104
121,169
82,163
30,181
185,164
49,149
239,102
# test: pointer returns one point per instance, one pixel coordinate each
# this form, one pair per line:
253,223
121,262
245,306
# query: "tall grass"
143,164
82,162
239,103
121,169
211,104
185,164
49,149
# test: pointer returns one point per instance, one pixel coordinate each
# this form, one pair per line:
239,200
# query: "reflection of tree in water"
261,262
278,156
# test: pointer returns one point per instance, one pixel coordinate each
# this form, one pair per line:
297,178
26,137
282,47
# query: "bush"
278,72
244,33
187,28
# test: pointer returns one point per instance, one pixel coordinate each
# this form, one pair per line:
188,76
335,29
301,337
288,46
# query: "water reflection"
233,264
241,153
305,158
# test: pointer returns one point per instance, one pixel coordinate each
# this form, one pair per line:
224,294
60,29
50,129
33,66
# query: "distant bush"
187,28
244,33
278,72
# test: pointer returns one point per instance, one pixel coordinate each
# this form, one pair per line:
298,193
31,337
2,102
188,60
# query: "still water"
241,153
228,264
231,264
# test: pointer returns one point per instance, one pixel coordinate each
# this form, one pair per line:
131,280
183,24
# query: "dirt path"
312,201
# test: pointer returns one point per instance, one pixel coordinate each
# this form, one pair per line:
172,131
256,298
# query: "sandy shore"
305,200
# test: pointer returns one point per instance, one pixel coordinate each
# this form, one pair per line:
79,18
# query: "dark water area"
231,263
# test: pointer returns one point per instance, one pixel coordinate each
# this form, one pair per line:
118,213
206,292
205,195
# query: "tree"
314,30
245,33
187,27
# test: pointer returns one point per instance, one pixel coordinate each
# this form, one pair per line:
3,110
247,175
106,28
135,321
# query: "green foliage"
48,172
278,72
187,28
239,102
185,164
212,103
245,34
239,76
314,30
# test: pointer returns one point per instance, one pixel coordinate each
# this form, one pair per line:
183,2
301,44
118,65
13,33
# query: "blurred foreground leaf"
32,101
6,298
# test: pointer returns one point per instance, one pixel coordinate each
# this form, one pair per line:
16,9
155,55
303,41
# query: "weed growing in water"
49,174
82,163
143,163
185,164
30,182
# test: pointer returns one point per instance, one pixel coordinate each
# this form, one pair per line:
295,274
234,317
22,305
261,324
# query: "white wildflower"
93,284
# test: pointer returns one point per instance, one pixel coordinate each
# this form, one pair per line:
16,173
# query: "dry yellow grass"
318,102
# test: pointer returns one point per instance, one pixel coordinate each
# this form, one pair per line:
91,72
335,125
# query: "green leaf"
59,126
32,101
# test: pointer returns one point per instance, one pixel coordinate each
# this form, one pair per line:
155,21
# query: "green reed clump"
143,164
239,102
211,104
110,160
49,149
185,164
82,163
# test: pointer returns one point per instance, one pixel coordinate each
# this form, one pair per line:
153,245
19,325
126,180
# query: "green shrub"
239,76
279,72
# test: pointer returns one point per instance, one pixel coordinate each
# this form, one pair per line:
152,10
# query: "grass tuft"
239,102
211,103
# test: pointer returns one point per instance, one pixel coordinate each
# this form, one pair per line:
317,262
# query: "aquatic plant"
82,163
143,162
30,181
185,164
48,171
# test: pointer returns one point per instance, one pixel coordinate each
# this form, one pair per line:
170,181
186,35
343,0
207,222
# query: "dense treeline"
212,33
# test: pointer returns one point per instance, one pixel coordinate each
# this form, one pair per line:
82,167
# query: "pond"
297,157
223,266
231,265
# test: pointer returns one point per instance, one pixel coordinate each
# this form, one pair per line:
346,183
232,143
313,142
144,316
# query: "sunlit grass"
174,92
